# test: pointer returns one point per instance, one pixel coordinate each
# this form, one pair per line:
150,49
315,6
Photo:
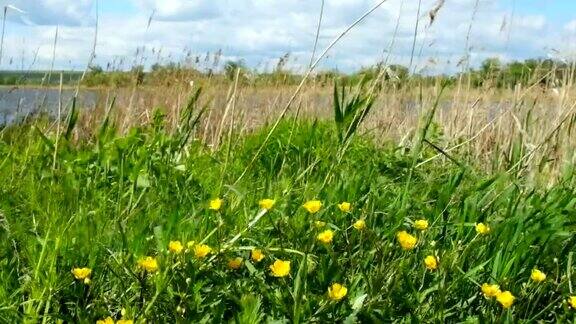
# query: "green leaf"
358,302
143,181
298,288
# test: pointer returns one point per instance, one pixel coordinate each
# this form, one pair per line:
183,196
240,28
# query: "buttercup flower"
506,299
407,241
82,274
280,268
149,264
537,275
235,263
572,301
431,262
359,224
337,291
175,247
482,228
201,250
345,206
312,206
421,224
326,236
267,203
256,255
490,290
107,320
215,204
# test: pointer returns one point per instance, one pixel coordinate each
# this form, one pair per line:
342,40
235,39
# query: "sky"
40,34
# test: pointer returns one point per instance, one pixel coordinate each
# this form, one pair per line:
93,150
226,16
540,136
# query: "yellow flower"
407,241
280,268
421,224
175,247
344,206
482,228
267,203
572,301
506,299
431,262
82,273
107,320
326,236
312,206
537,275
123,321
319,224
337,291
149,264
256,255
360,224
490,290
215,204
201,250
235,263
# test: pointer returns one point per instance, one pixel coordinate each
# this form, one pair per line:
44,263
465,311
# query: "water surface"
17,104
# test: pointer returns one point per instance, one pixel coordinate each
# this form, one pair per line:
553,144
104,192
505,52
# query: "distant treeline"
14,78
492,72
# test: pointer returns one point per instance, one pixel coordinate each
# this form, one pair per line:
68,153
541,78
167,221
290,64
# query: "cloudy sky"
261,31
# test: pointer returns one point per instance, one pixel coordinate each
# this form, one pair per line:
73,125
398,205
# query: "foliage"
109,201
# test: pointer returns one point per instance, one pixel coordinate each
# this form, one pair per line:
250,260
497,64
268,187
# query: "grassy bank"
139,209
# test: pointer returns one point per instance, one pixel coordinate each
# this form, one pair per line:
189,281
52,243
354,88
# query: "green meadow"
153,224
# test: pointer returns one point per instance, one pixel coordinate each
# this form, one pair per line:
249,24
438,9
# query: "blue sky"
262,31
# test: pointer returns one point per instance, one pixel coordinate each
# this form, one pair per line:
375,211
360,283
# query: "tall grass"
130,190
106,196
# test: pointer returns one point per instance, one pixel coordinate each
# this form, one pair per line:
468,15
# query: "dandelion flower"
506,299
280,268
490,290
107,320
267,203
326,236
82,273
572,301
359,224
537,275
149,264
344,206
319,224
431,262
235,263
407,241
215,204
482,228
337,291
201,250
175,247
421,224
312,206
256,255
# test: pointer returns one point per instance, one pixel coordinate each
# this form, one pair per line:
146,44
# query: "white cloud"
180,10
51,12
570,26
260,31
